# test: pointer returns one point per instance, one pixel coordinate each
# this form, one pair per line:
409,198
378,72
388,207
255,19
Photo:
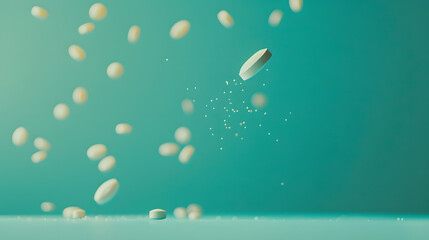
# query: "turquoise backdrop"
347,87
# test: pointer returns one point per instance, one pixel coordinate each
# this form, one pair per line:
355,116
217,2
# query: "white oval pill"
187,106
123,128
295,5
115,70
180,29
255,63
19,136
77,53
67,212
106,164
39,156
86,28
275,18
41,144
47,206
78,213
106,191
180,212
182,135
259,100
194,215
96,151
157,214
194,208
186,154
39,12
97,11
134,34
80,95
168,149
61,111
225,19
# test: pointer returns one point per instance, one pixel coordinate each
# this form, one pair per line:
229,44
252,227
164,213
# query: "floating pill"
123,128
47,206
61,111
225,19
180,29
275,18
96,151
194,215
106,164
78,213
77,53
106,191
259,100
97,11
39,12
254,63
19,136
68,211
134,34
182,135
80,95
186,154
115,70
168,149
295,5
194,208
157,214
41,144
180,212
39,156
86,28
187,106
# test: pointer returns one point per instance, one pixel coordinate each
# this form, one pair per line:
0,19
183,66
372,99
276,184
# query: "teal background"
353,75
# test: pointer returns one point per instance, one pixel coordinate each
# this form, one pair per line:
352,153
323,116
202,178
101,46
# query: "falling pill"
123,128
225,19
47,206
186,154
193,207
168,149
106,164
115,70
134,34
275,18
39,12
80,95
77,53
96,151
255,63
180,212
41,144
187,106
295,5
38,156
106,191
182,135
180,29
86,28
259,100
61,111
157,214
97,12
19,136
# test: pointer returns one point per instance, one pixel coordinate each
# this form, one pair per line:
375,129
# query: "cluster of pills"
182,135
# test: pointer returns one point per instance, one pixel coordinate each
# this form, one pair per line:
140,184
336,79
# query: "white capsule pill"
106,191
106,164
168,149
80,95
180,29
295,5
47,206
255,63
96,151
186,154
194,215
275,18
157,214
182,135
39,12
115,70
225,19
77,53
259,100
68,211
19,136
123,128
180,212
187,106
61,111
86,28
78,213
134,34
97,11
194,208
41,144
39,156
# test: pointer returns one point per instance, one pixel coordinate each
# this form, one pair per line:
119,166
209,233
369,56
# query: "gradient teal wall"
354,75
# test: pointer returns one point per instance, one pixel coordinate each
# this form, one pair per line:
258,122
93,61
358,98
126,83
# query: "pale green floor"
214,227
